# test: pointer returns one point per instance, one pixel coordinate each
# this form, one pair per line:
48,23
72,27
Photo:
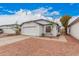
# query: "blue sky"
58,9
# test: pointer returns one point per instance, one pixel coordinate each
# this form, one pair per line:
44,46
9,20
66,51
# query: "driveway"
4,40
11,39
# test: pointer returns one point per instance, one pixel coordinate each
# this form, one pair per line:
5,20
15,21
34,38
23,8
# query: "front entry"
48,30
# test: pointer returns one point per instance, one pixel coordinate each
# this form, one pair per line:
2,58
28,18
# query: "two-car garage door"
74,30
30,30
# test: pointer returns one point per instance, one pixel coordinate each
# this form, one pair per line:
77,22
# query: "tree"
64,20
17,29
52,23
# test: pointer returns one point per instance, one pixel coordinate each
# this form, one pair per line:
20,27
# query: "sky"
12,12
46,9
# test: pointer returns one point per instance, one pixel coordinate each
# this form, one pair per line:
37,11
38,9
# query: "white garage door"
75,31
30,30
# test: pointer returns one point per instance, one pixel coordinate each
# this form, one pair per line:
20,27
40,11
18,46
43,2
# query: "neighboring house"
8,29
39,27
73,28
1,31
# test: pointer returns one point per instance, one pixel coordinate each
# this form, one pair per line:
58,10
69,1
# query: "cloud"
28,12
55,13
39,11
21,12
23,15
57,20
42,10
10,11
45,11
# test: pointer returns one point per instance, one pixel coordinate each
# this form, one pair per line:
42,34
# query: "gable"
31,24
39,21
42,22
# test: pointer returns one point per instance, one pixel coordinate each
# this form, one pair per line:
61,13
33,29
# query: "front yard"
43,46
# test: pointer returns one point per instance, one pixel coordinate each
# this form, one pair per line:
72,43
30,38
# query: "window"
48,28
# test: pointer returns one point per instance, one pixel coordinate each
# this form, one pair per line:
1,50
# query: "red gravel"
38,47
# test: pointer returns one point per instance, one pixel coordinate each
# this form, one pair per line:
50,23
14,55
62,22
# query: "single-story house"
8,29
73,28
39,27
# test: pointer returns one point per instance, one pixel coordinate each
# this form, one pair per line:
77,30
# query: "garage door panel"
32,30
75,31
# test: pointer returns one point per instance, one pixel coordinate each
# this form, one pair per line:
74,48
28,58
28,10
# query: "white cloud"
55,13
21,12
58,21
26,15
28,12
42,10
45,11
20,16
10,11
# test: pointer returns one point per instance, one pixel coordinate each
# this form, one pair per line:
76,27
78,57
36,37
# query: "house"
39,27
8,29
73,28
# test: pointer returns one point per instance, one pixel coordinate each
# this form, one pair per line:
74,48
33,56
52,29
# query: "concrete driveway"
11,39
